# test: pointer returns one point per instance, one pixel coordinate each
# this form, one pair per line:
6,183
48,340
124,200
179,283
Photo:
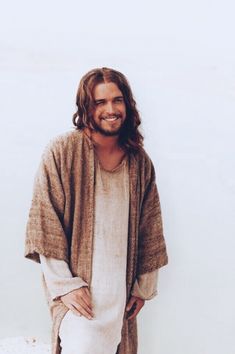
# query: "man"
95,222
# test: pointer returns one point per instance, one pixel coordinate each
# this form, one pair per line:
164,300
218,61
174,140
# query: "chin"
109,133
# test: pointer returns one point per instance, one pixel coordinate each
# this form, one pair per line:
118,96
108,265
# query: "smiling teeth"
111,119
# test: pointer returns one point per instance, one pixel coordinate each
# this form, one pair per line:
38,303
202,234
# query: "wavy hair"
130,137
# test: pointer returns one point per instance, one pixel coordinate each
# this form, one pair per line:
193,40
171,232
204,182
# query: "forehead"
106,90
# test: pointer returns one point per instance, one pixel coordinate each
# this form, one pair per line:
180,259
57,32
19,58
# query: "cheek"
96,113
121,108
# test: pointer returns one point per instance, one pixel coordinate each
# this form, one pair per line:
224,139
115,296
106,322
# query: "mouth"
110,119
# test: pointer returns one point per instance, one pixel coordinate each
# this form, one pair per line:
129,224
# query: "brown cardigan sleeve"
152,252
44,232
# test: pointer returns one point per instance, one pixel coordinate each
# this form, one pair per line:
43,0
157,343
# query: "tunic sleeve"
145,286
58,277
45,233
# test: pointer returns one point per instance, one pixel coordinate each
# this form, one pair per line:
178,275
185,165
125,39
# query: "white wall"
179,58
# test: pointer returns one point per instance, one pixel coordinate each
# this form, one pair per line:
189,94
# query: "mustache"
116,115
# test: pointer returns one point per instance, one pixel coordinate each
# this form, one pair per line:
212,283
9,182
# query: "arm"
72,291
45,232
145,286
58,277
152,253
151,244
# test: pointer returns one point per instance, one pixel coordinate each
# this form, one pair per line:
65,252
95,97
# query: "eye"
99,103
119,99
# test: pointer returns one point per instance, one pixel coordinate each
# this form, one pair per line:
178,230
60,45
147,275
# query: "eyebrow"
103,99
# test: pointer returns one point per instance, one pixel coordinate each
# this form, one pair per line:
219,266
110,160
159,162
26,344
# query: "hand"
133,307
79,302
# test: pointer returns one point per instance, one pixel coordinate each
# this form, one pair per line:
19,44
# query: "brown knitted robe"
61,220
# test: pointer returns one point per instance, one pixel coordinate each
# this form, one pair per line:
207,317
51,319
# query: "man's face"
109,113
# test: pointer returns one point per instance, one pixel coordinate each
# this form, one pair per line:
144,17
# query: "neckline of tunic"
115,169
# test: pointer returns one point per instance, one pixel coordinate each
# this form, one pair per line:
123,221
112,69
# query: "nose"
109,108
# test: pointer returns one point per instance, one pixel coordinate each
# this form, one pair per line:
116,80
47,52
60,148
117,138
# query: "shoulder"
61,149
64,144
65,140
145,162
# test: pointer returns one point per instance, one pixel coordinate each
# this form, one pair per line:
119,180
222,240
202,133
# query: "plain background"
179,58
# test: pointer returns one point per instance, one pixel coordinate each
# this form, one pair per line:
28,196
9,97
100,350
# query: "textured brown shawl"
61,218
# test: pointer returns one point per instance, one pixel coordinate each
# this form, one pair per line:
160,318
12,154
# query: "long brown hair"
130,137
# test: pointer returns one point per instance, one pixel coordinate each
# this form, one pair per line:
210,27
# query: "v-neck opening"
115,169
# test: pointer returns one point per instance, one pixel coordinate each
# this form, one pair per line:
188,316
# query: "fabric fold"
59,278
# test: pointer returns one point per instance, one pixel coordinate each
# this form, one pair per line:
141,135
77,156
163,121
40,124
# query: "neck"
102,142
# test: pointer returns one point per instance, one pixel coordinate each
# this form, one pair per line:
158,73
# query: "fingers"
75,311
82,303
134,313
130,303
86,297
79,302
133,307
82,311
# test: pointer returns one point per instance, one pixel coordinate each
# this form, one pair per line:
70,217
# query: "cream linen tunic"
102,334
108,285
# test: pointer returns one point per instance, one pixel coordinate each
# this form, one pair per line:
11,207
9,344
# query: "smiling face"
109,111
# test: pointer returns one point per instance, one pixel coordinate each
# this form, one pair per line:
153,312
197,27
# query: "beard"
108,132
